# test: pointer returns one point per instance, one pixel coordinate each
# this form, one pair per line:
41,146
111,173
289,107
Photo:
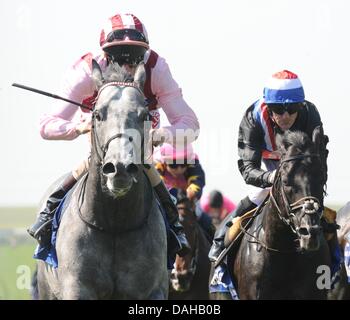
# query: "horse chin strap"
309,204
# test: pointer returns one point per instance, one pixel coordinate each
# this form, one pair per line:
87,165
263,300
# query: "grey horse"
112,242
341,290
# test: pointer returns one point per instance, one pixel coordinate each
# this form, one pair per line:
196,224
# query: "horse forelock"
116,73
295,142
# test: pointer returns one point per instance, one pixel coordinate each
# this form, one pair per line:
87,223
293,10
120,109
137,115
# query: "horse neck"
278,235
124,213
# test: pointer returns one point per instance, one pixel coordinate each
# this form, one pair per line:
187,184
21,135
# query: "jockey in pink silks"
217,205
180,169
123,40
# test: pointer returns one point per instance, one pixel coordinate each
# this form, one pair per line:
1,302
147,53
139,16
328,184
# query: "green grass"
16,268
16,262
17,217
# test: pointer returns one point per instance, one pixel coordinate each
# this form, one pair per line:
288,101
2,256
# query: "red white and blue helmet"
284,87
123,29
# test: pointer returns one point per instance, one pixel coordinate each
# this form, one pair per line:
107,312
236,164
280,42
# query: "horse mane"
114,72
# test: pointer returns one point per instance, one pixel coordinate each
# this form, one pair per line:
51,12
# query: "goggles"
175,165
280,109
131,34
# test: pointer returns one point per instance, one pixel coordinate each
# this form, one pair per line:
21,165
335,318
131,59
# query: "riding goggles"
176,165
131,34
280,108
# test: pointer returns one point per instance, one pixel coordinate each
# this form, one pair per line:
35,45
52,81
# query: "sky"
221,53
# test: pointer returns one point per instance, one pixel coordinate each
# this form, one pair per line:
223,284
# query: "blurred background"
220,52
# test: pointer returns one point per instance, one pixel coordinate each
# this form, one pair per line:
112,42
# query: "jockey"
216,205
123,40
283,107
181,170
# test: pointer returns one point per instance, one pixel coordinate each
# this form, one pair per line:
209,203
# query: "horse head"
185,267
297,191
118,126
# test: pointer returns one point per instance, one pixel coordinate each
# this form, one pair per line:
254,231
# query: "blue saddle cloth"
222,282
48,253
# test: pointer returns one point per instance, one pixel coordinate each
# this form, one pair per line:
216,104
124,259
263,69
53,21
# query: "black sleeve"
313,122
250,146
313,118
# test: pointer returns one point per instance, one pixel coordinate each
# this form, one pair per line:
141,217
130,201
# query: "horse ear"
140,75
97,76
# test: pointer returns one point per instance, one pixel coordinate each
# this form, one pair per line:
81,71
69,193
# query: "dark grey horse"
111,242
281,251
342,288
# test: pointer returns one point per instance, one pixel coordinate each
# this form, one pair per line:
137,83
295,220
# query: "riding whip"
55,96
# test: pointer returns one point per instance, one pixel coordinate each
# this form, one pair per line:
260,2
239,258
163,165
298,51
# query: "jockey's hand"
83,127
192,196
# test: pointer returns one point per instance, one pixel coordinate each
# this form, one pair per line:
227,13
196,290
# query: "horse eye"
98,115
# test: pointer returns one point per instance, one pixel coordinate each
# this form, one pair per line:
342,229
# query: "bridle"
310,204
101,149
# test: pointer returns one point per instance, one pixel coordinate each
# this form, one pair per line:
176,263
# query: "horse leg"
44,291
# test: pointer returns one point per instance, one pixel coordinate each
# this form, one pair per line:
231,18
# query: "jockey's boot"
218,246
173,219
41,229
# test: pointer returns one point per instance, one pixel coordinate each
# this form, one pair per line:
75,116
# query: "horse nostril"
303,231
132,168
108,168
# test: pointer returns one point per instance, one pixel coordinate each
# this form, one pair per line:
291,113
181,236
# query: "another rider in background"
181,171
123,40
217,206
283,107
